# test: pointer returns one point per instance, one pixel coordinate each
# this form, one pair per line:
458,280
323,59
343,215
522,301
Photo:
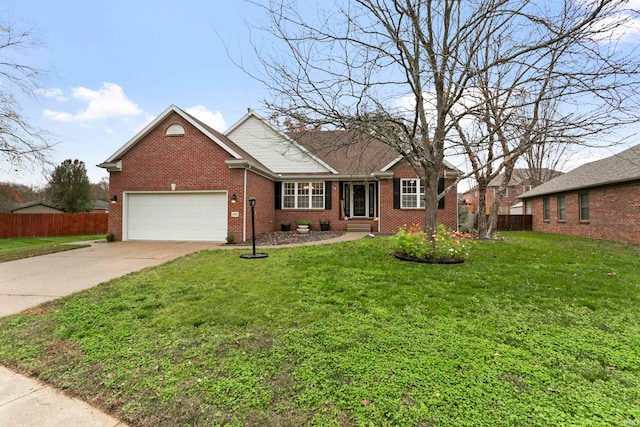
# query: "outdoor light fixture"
114,199
234,198
252,203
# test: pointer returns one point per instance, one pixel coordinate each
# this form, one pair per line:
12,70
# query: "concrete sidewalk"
26,402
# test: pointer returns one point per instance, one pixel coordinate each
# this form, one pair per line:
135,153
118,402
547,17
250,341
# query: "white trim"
445,163
112,167
417,193
347,190
379,206
244,207
125,204
148,128
391,164
295,195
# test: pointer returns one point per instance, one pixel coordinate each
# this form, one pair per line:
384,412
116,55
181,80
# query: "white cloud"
212,118
58,116
624,27
109,101
51,93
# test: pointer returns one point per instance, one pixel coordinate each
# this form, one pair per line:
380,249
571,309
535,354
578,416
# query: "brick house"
599,200
179,179
519,183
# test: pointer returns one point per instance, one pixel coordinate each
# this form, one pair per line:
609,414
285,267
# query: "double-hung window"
411,193
303,195
561,209
546,209
583,200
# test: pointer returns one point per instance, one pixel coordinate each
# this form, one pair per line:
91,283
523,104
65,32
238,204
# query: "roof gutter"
245,164
577,188
111,166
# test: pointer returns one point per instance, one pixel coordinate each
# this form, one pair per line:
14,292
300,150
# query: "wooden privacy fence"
514,223
52,224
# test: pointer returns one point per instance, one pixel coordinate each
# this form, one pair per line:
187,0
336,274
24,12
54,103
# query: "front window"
561,209
546,214
303,195
584,206
411,193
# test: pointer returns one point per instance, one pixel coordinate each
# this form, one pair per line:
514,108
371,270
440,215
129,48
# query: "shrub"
111,237
448,245
231,239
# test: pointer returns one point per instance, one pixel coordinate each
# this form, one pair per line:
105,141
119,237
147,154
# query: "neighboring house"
179,179
519,183
100,206
37,207
599,200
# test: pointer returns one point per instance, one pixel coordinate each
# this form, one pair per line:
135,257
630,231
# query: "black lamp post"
252,203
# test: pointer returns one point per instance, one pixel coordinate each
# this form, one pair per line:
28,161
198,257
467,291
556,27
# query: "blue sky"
114,65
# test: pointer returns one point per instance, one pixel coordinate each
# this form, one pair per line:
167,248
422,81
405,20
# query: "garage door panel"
177,216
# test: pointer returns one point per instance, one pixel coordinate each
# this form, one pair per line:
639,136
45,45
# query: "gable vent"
175,130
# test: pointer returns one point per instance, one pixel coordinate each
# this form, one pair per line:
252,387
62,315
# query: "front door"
359,200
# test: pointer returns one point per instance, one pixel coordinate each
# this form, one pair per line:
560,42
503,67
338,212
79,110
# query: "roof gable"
619,168
274,149
215,136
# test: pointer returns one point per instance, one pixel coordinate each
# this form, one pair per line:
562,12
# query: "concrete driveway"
29,282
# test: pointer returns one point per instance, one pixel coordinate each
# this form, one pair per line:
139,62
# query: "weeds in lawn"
531,330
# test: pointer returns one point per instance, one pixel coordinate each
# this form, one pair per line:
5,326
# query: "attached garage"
175,216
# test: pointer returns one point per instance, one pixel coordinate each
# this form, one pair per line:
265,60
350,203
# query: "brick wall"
191,161
263,190
614,214
392,219
314,215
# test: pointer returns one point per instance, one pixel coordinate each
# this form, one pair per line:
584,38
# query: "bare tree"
100,190
20,143
557,95
402,70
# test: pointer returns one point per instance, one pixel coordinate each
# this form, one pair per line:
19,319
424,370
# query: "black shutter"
440,190
327,195
396,193
278,193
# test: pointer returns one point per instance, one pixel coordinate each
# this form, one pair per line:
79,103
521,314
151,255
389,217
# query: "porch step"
359,228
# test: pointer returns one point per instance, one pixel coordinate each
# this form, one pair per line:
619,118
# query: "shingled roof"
619,168
349,153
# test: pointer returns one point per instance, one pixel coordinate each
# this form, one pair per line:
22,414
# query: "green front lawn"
12,249
533,330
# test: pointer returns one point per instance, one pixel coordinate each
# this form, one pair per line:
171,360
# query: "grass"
12,249
533,330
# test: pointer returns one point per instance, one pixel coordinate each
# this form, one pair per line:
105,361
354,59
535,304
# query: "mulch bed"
286,237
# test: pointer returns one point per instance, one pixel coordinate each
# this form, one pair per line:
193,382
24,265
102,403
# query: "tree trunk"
430,203
481,210
492,223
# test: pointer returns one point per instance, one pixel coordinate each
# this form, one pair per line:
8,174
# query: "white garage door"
176,216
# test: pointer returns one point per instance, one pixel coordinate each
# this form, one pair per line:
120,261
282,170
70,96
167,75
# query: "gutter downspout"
379,216
244,207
